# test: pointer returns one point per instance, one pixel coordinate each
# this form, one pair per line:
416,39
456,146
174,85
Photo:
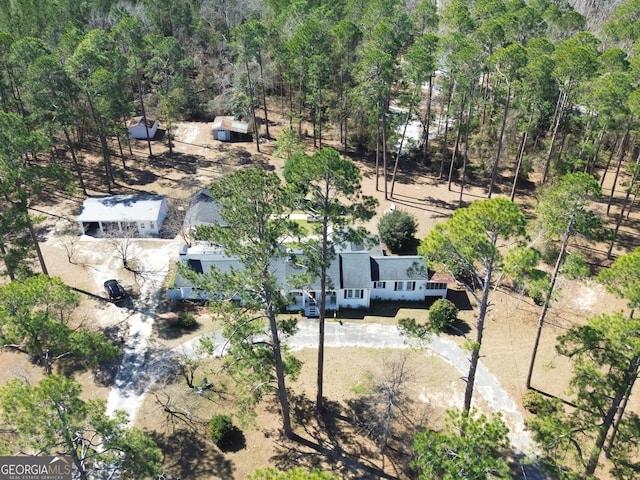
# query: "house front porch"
308,302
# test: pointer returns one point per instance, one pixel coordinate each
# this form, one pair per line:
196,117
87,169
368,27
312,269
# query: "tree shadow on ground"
105,370
442,204
328,442
189,454
235,442
168,325
458,327
169,328
410,247
393,436
180,162
627,237
104,373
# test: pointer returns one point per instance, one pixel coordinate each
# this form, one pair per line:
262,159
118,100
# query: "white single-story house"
355,278
228,129
138,130
120,213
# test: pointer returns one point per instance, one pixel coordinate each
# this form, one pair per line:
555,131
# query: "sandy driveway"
135,377
132,379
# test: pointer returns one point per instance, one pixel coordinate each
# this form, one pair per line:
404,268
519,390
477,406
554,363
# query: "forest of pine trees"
519,87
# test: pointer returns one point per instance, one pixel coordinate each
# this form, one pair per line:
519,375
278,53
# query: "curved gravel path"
388,336
136,375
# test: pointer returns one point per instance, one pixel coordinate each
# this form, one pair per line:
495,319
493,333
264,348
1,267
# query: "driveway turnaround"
135,378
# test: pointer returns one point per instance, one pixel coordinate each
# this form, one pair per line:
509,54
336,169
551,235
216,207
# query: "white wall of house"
124,212
397,290
144,227
222,135
303,299
407,290
353,298
436,289
202,257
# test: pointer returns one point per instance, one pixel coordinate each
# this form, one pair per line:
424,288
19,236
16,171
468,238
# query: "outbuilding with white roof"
142,128
228,129
122,213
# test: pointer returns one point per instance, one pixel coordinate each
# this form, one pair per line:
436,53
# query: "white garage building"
121,213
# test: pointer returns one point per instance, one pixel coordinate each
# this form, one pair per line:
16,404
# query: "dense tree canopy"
397,229
472,446
34,319
337,65
606,355
328,188
254,207
469,246
50,418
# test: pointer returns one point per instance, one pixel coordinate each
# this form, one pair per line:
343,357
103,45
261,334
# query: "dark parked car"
114,290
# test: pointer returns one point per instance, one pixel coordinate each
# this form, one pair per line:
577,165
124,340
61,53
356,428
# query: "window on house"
398,286
196,265
411,286
436,286
131,226
353,293
379,285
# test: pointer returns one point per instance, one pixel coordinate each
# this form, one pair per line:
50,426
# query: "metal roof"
122,208
134,122
231,124
397,267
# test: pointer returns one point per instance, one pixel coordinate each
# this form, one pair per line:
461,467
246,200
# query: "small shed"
116,214
137,128
228,129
